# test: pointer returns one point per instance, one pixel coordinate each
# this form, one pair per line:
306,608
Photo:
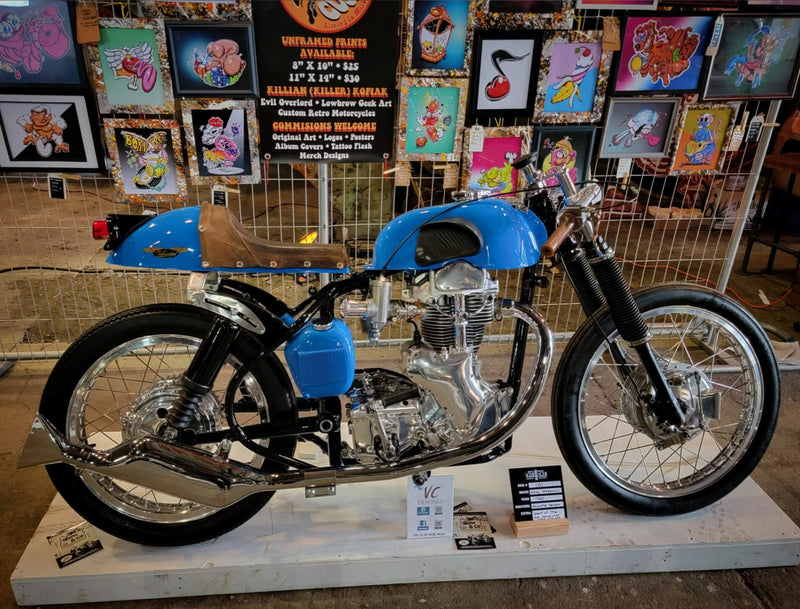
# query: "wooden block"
540,528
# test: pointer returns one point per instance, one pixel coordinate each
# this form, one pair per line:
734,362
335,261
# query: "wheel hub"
691,388
146,414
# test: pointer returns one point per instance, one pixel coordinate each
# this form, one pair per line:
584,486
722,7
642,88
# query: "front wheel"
115,383
721,368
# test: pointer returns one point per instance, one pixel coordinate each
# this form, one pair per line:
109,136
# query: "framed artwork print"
439,41
663,54
198,9
638,128
628,5
569,147
703,134
431,119
502,83
490,169
525,14
213,58
129,67
37,46
573,75
221,141
47,133
147,160
757,58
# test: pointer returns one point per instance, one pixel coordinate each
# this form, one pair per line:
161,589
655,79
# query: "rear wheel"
115,383
721,368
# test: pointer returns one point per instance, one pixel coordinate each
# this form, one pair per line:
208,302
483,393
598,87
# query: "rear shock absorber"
203,369
632,327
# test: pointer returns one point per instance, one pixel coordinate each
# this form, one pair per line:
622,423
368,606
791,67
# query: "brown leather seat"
224,242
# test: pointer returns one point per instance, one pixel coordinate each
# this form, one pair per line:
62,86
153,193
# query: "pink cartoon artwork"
561,154
28,39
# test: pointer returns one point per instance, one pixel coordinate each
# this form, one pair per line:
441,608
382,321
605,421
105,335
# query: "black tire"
95,380
604,444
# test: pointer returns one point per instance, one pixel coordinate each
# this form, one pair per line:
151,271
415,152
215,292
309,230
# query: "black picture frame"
189,53
48,74
581,139
720,74
498,57
79,133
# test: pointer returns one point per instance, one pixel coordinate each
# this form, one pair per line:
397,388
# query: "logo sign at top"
326,16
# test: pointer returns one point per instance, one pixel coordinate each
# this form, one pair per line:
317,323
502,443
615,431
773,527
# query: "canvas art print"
431,118
502,81
663,53
222,141
440,37
490,169
213,59
572,78
702,137
146,156
36,44
130,68
638,128
525,14
757,58
46,133
559,147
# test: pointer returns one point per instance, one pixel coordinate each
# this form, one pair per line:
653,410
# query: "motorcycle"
171,424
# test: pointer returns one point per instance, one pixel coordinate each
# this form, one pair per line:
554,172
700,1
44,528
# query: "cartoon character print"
570,85
561,154
149,157
134,64
499,179
43,131
764,47
639,126
219,151
702,143
27,41
662,53
432,123
221,65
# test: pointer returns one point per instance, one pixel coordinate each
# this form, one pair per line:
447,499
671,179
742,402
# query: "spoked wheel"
721,368
116,383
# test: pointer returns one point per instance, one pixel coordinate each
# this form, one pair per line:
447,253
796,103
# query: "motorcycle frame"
272,313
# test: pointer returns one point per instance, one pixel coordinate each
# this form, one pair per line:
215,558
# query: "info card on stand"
430,508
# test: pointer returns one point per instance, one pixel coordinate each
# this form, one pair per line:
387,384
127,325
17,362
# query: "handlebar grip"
554,241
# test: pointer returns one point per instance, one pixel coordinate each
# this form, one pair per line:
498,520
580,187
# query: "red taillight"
100,229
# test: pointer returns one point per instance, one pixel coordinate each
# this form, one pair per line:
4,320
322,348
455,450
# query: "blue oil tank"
322,358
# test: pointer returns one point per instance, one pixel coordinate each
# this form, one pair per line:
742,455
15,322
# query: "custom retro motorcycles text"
170,424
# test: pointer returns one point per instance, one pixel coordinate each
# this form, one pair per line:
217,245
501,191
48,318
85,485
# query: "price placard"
327,80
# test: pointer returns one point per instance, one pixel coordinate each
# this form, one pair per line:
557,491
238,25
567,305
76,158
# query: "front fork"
597,278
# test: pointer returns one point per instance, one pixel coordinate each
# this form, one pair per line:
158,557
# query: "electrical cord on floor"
706,279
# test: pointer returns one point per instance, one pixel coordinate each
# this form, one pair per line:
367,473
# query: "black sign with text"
327,74
538,493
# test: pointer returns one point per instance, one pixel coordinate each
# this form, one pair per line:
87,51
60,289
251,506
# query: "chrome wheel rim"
629,458
114,402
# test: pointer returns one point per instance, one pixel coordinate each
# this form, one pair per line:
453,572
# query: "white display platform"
358,538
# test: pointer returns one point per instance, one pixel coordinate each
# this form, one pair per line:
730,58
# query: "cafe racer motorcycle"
170,424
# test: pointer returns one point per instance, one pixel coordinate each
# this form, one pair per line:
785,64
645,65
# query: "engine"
442,400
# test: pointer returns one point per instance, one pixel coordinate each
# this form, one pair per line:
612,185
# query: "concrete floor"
29,493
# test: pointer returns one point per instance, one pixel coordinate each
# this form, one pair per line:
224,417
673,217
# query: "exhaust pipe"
194,475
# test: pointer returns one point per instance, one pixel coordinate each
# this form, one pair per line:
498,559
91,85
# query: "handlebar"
558,236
